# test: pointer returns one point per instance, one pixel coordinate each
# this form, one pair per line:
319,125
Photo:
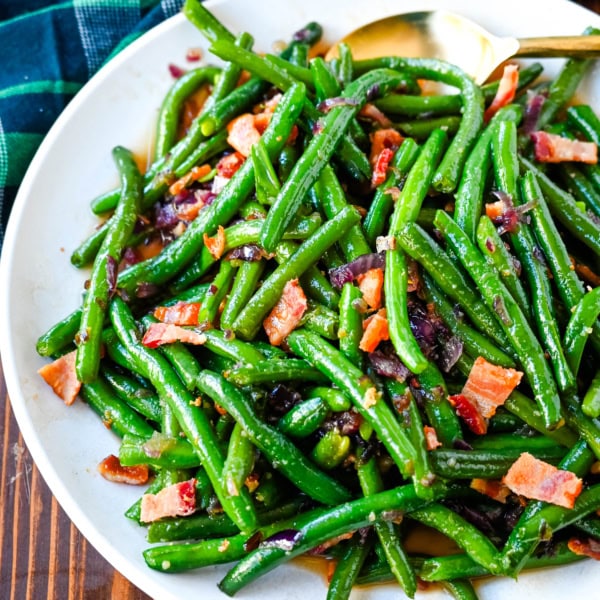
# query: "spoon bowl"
456,39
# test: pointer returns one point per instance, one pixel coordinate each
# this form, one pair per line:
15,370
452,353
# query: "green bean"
506,168
318,152
578,184
469,196
565,209
347,569
266,182
168,115
461,589
277,448
512,319
383,204
202,526
248,321
321,319
309,35
465,535
332,363
326,525
223,344
492,247
420,246
442,568
350,328
299,55
245,282
331,450
396,273
591,401
210,27
101,283
584,316
421,129
239,461
115,413
297,72
159,450
304,418
474,343
216,293
193,421
334,398
139,396
485,464
587,428
274,370
449,171
416,106
88,249
387,532
332,200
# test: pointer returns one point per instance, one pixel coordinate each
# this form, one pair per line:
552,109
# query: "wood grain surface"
42,554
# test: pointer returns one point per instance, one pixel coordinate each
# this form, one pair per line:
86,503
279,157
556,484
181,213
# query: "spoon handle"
578,46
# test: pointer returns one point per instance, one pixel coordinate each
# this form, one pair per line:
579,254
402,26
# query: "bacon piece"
382,139
286,314
538,480
431,438
112,470
488,386
371,285
242,133
381,166
494,489
60,375
165,333
180,313
177,500
589,547
552,148
375,331
468,412
507,88
216,244
229,164
193,175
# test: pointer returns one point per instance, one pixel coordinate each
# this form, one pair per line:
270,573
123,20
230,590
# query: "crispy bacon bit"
381,166
180,313
164,333
375,331
488,386
193,54
538,480
229,164
243,134
370,111
589,547
552,148
384,139
431,439
371,285
112,470
494,489
60,375
194,174
468,412
505,214
216,244
286,314
177,500
507,88
371,397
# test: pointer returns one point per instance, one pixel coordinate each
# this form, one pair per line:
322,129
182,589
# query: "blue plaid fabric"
48,50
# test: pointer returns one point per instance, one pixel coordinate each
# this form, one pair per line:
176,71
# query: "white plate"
38,286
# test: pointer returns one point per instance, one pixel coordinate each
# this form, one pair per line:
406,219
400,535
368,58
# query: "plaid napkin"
48,50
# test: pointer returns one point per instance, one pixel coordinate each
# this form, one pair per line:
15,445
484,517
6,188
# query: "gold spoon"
456,39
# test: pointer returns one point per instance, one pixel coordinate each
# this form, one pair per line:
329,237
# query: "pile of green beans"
314,444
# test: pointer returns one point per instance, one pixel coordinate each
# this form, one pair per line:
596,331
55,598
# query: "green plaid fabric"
48,50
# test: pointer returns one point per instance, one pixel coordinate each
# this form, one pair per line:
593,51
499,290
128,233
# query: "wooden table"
42,554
